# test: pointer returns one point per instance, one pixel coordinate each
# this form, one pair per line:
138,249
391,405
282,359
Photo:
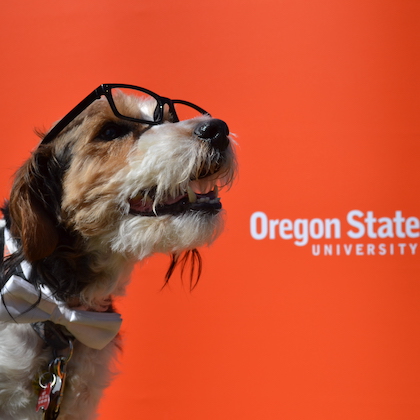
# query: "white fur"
165,157
22,357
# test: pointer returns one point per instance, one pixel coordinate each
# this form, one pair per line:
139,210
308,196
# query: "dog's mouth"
200,196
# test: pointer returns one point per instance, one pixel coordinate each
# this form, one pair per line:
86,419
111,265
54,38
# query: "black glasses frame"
105,90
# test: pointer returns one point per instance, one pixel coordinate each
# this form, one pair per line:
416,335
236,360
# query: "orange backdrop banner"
308,307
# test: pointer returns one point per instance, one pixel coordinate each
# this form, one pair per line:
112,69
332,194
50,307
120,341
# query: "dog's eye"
113,131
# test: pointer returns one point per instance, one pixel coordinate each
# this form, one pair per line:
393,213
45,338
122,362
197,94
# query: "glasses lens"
186,112
139,104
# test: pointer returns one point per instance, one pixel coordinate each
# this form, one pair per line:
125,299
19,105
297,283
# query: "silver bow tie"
94,329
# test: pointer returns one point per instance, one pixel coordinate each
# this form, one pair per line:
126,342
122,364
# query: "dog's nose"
214,131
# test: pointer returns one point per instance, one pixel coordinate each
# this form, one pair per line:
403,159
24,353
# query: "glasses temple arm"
80,107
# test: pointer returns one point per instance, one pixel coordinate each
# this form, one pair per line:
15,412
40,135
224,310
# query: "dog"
124,175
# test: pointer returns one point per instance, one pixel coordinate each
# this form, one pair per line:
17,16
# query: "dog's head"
126,175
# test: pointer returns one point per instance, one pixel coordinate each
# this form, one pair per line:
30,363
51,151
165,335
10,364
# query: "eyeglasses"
177,109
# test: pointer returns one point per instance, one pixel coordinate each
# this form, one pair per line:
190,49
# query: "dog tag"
58,368
44,397
46,382
56,389
52,386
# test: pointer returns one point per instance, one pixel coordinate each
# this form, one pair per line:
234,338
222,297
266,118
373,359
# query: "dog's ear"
34,203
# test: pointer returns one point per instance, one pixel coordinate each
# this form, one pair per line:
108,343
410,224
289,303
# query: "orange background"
324,99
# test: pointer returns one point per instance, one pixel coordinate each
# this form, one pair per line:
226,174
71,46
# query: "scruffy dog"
124,175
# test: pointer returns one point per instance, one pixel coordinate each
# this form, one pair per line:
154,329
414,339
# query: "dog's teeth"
192,196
